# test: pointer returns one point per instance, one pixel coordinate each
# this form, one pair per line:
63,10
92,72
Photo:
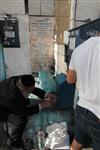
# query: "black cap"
28,80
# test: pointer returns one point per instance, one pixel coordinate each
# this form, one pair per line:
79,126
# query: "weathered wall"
41,7
88,9
62,16
84,9
60,65
17,59
41,33
29,58
41,42
12,7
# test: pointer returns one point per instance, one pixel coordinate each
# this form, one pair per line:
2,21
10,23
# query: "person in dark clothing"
14,104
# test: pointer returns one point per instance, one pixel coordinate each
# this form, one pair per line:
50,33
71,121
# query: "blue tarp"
47,82
66,95
49,116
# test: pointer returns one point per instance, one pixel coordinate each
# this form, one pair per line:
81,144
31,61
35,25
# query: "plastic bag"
58,137
47,82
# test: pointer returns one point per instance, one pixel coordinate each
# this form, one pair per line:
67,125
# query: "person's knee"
18,126
76,146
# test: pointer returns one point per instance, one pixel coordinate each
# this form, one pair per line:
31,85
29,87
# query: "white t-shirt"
85,61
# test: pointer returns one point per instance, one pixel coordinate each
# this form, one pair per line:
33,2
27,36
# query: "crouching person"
14,104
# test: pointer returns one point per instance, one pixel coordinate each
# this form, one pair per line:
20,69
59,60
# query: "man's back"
11,97
86,62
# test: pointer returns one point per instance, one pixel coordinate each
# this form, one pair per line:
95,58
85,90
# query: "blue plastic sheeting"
47,82
45,118
60,78
66,95
49,116
2,64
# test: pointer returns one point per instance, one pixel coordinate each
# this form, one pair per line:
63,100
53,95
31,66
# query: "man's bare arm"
71,76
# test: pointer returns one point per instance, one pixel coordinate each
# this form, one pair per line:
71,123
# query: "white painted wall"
41,7
85,9
12,7
47,7
88,9
60,65
18,60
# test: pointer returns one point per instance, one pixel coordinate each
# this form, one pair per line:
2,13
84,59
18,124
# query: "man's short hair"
28,80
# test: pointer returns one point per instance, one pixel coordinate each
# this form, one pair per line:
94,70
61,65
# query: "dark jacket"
12,99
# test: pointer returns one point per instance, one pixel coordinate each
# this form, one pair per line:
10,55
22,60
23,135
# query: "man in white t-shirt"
84,69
